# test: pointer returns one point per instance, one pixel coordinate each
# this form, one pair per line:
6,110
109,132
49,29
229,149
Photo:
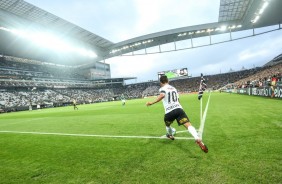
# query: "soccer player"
122,100
174,111
74,104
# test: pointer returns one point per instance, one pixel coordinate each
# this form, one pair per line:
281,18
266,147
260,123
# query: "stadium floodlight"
19,33
259,12
223,28
48,40
210,30
255,19
130,46
239,26
265,4
190,33
87,53
4,29
231,27
113,51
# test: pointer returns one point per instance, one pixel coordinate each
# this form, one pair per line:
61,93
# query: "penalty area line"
93,135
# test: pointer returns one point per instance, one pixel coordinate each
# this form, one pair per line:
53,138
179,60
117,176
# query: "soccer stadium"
65,119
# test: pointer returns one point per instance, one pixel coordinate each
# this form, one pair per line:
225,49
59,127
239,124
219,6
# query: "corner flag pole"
201,110
202,88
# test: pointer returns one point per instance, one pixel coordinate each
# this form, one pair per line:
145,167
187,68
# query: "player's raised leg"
194,133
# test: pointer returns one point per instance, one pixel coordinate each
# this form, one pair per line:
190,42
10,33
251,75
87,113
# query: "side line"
92,135
202,124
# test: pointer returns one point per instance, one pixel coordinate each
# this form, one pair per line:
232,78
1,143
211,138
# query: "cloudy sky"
119,20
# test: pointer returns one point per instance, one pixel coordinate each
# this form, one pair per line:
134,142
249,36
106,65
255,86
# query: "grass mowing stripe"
91,135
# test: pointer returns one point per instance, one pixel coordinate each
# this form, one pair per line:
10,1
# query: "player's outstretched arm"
159,98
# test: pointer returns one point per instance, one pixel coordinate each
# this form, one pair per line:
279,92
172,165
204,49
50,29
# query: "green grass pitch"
243,134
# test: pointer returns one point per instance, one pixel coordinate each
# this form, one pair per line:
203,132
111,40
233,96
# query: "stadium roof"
274,61
30,12
232,10
234,15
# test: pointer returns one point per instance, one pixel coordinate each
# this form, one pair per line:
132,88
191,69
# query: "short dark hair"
163,79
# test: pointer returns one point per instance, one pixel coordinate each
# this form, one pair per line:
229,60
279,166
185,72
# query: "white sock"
193,131
169,130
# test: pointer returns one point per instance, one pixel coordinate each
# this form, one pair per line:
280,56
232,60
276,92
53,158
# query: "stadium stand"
26,84
262,78
27,68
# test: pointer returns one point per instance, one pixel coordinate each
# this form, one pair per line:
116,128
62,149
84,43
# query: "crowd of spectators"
262,78
10,66
31,84
26,98
88,95
214,81
49,83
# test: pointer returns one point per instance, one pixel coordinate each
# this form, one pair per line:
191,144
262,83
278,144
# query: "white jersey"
171,99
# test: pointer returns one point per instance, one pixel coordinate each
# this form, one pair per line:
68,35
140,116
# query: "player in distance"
74,105
174,111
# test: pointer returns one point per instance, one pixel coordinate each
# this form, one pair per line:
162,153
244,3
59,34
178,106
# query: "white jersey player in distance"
174,111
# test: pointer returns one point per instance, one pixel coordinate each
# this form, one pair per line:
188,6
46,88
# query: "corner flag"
202,87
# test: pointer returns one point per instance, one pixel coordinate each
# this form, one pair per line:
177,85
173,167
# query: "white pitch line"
92,135
182,131
202,124
180,137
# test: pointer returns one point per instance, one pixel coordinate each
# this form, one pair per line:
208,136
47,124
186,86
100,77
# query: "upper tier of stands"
11,66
